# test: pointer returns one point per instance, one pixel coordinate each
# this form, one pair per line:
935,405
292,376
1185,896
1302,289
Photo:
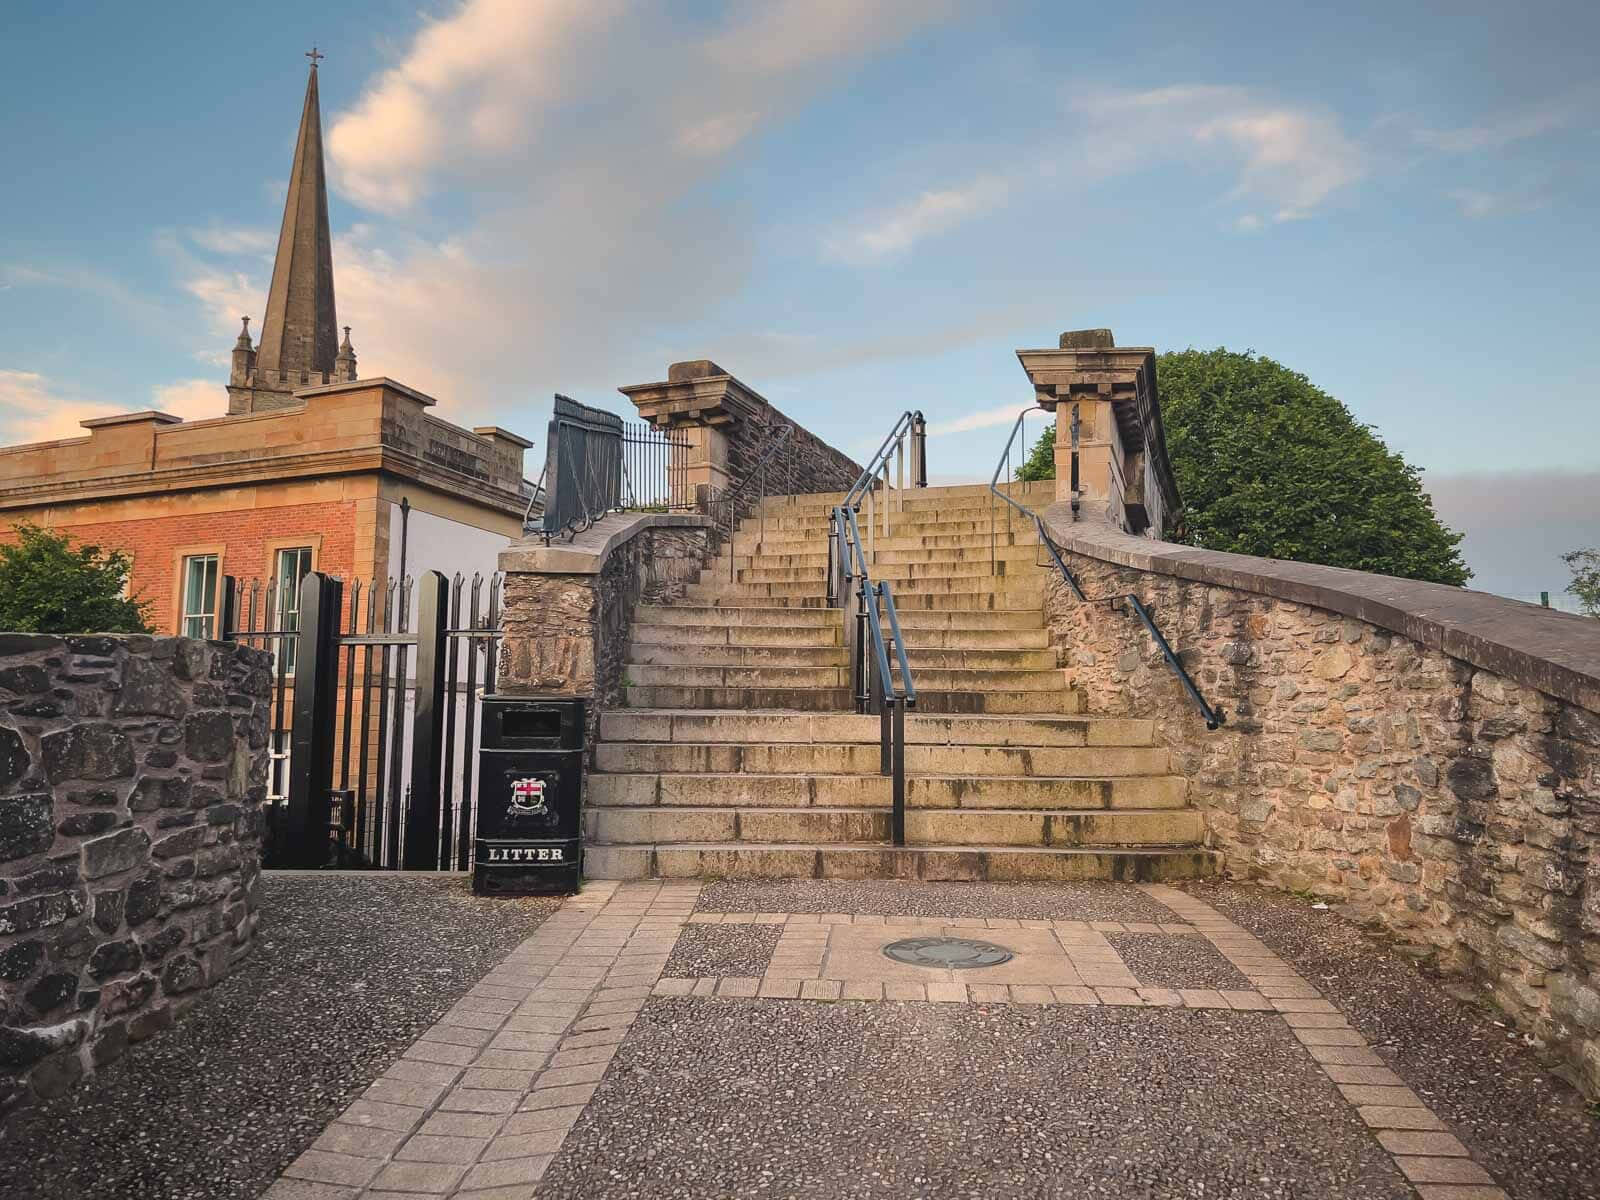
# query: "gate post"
316,683
427,743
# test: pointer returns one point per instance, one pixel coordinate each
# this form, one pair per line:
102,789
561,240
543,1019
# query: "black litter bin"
530,796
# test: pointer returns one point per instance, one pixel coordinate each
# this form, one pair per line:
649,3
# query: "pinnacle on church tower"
298,346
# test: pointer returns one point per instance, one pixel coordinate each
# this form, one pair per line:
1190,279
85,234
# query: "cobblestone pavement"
1104,1057
347,970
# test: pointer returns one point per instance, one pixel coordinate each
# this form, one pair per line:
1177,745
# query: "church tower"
299,344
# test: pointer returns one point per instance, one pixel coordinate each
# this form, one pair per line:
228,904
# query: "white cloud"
1290,159
192,399
218,239
933,212
36,409
1287,159
577,136
983,418
1506,128
226,296
1476,204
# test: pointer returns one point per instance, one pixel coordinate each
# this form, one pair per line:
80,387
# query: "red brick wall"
243,541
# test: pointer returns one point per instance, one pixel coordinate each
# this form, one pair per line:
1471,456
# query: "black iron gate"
374,721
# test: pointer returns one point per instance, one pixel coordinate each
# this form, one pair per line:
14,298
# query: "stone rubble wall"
566,633
804,466
1456,806
132,775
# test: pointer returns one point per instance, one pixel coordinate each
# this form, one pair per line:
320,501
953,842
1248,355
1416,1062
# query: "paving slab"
1088,901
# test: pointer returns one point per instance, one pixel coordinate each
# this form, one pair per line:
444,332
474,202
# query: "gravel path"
1530,1130
1021,901
782,1098
722,950
347,971
1181,961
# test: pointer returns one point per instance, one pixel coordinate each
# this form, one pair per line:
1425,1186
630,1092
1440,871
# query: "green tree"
1585,585
50,585
1041,460
1269,464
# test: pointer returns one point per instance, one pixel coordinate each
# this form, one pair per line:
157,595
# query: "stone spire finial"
344,367
244,342
299,332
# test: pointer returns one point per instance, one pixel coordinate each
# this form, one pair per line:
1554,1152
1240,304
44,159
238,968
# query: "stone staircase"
738,753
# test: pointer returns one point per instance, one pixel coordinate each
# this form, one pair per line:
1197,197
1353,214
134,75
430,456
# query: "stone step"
748,790
822,636
982,681
988,619
1023,492
808,555
901,525
837,699
911,500
797,542
901,574
678,653
835,758
921,729
984,585
729,615
993,827
922,658
927,593
967,863
814,636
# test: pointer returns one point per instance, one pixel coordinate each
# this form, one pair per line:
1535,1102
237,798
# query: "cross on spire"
314,56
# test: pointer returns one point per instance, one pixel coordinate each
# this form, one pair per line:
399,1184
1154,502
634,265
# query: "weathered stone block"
208,736
27,823
120,851
90,751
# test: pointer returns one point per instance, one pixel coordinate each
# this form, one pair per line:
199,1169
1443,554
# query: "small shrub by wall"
1444,781
132,774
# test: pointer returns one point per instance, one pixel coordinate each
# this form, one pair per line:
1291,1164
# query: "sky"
856,206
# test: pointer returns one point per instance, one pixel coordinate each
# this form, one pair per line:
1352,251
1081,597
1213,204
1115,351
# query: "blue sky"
857,207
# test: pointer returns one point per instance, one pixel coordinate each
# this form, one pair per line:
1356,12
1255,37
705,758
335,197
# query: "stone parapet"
726,424
1427,755
132,774
569,606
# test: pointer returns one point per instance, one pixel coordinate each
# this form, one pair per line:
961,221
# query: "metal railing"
1213,717
907,438
726,508
582,478
871,608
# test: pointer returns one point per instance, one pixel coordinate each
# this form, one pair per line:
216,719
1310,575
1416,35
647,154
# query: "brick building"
310,468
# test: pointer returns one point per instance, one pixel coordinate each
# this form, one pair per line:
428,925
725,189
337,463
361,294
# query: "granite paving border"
476,1107
1435,1161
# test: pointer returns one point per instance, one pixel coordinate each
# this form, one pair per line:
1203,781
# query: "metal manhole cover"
947,952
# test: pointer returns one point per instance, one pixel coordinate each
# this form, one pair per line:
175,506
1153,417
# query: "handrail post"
888,500
898,816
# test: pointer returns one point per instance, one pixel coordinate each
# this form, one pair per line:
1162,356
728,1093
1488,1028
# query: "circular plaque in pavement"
947,952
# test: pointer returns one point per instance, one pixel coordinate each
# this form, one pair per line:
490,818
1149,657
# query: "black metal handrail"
777,437
910,424
1213,717
872,683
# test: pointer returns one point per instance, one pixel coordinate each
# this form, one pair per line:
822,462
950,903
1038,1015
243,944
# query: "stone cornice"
240,471
707,400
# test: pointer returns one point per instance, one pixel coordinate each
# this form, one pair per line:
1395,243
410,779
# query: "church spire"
299,334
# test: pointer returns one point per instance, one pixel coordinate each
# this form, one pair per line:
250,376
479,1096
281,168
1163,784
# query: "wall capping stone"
586,554
1555,652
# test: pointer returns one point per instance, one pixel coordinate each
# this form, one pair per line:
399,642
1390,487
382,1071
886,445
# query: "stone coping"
1555,652
586,554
